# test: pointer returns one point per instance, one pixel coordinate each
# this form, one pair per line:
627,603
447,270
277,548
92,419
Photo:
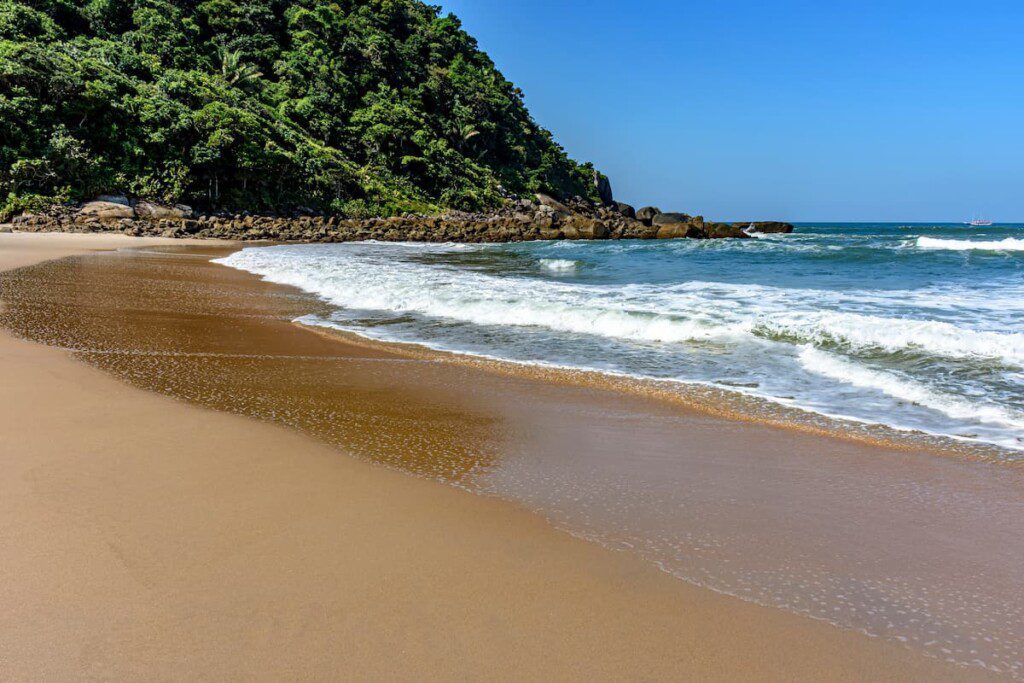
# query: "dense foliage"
352,106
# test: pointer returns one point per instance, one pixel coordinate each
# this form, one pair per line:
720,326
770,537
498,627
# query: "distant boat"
979,222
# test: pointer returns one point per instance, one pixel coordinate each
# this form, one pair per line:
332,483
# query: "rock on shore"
544,218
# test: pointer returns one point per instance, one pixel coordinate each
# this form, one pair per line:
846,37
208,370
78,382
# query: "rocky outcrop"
625,209
582,228
152,211
107,211
765,226
552,203
667,231
671,217
720,230
646,214
604,188
519,220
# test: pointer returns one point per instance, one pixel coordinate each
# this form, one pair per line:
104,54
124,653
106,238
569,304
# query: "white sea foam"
559,265
1007,244
903,389
369,278
369,282
801,346
863,332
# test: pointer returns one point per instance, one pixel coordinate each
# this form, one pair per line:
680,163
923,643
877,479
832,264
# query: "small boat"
978,222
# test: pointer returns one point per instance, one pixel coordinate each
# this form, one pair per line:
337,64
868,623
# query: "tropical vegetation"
358,107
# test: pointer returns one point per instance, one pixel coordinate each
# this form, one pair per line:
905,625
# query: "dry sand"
145,538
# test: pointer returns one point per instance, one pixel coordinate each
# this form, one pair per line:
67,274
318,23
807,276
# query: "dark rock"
668,218
625,210
580,228
635,230
667,231
646,214
552,203
514,222
765,226
718,230
603,187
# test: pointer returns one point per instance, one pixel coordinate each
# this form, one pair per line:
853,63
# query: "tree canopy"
350,106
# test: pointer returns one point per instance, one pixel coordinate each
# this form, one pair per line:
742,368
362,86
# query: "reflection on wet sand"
227,344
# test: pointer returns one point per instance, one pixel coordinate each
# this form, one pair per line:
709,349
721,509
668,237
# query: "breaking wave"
947,356
1007,244
559,265
690,312
845,371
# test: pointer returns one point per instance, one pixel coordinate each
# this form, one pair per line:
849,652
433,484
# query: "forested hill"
352,106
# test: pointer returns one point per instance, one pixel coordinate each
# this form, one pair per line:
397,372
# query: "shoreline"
781,396
706,399
577,585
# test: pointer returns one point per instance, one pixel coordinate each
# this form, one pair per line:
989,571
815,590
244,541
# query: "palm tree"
467,133
233,70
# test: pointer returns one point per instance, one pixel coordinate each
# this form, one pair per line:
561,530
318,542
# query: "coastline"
727,404
258,551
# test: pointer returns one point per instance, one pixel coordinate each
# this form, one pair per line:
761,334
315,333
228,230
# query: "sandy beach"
147,536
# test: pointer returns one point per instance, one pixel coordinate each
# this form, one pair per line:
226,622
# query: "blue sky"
827,110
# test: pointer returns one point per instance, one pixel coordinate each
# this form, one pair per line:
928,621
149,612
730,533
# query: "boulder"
582,228
669,231
668,218
6,227
603,187
638,231
765,226
543,222
594,230
625,209
718,230
106,211
113,199
646,214
552,203
153,211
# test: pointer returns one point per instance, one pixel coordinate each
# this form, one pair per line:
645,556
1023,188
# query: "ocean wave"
860,352
559,265
371,284
770,236
868,332
847,372
1007,244
685,312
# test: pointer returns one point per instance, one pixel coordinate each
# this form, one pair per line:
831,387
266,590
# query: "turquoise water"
914,326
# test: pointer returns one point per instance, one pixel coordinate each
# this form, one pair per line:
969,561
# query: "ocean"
915,327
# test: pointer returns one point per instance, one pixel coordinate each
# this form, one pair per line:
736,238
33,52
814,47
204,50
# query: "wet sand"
152,537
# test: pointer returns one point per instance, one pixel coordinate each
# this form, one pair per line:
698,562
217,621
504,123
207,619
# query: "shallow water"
916,327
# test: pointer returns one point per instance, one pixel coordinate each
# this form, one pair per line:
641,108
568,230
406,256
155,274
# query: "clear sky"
790,109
